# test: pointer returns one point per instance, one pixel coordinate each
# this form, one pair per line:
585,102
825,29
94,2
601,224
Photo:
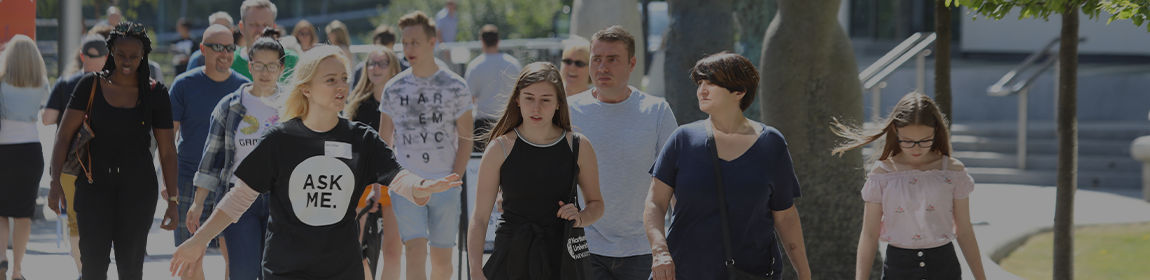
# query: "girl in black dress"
530,156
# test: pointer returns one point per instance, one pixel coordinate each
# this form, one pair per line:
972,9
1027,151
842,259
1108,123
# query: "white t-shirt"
257,119
491,78
424,111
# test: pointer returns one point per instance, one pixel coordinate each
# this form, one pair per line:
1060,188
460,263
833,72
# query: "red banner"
17,17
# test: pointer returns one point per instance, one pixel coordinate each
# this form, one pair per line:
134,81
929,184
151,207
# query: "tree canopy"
1136,11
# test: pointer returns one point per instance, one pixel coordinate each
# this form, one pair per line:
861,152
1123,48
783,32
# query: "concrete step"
1103,131
1039,146
1086,179
1049,161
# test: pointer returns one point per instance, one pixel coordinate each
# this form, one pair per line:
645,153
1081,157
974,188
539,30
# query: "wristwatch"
173,199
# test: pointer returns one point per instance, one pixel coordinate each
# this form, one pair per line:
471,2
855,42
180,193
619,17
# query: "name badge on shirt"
337,149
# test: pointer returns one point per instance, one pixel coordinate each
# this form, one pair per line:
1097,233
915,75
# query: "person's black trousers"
934,263
118,208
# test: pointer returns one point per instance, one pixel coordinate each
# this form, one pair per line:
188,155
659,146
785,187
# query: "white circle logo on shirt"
320,190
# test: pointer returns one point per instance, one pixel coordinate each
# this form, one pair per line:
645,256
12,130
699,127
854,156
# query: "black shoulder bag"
575,262
733,272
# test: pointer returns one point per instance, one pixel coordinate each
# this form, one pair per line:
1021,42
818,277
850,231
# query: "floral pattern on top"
910,202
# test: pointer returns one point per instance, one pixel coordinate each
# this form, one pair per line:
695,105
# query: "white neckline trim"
539,145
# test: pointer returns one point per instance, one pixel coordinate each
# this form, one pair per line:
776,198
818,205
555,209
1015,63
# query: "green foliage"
515,18
1136,11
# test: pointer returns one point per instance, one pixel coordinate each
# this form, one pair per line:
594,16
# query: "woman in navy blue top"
758,179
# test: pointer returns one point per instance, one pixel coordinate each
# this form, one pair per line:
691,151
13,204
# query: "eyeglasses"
577,63
378,64
221,47
910,144
256,66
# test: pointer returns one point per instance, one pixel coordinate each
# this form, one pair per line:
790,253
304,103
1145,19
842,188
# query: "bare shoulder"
955,165
878,168
501,146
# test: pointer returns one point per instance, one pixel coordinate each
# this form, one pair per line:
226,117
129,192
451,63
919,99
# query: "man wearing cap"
93,54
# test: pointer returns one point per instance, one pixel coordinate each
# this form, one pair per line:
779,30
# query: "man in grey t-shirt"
629,128
491,78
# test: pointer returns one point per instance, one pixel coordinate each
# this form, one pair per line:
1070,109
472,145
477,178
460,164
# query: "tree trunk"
697,29
1067,146
751,19
809,76
942,31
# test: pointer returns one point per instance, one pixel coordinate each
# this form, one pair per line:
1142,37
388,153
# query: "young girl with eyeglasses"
917,195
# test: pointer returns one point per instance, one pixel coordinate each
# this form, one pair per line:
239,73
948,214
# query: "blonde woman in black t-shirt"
315,165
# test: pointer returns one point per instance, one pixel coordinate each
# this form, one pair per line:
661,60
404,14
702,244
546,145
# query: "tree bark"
698,29
1067,146
751,19
942,32
809,76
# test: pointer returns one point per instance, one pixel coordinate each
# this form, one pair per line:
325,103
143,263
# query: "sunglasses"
577,63
221,47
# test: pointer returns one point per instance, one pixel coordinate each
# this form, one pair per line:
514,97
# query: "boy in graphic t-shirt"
424,112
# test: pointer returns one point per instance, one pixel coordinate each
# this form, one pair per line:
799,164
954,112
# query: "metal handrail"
1011,83
873,77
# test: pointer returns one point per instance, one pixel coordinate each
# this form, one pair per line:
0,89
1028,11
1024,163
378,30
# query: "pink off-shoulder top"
917,205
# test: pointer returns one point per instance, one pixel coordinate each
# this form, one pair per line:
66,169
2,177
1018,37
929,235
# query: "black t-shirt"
61,93
315,180
368,113
122,138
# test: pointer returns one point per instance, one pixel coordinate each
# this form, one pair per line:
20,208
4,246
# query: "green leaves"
1137,11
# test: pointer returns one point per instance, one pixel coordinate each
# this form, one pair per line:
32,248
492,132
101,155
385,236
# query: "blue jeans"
438,220
621,268
246,241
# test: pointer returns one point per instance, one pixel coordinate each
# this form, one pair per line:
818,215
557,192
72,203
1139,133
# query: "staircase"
989,152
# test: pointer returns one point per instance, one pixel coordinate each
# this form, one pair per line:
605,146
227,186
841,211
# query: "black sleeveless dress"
529,242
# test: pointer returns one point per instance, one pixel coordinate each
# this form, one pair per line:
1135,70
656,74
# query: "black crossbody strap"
575,181
728,260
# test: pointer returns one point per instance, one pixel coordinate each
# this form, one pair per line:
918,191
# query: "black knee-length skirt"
21,167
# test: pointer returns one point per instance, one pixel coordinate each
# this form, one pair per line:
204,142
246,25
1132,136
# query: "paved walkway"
1004,216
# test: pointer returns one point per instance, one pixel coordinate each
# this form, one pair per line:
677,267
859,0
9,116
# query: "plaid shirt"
219,152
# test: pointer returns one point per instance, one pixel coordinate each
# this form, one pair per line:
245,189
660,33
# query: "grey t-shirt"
628,137
491,78
424,111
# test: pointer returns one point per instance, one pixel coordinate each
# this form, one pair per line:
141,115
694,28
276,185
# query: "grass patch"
1100,252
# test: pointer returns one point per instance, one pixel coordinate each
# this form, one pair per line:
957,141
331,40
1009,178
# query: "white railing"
1012,83
874,77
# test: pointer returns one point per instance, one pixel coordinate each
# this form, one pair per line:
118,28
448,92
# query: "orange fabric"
384,198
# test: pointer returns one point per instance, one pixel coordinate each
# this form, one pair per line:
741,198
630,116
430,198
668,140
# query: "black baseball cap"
94,46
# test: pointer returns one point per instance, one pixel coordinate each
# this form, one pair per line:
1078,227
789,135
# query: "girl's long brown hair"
538,72
365,89
913,109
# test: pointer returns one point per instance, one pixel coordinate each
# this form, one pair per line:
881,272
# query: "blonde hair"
578,44
337,34
296,105
365,88
23,65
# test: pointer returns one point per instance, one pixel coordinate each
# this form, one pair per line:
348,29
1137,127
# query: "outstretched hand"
441,185
186,257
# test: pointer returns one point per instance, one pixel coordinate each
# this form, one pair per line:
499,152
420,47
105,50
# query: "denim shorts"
438,221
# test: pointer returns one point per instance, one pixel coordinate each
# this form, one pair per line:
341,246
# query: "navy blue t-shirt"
758,182
194,97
